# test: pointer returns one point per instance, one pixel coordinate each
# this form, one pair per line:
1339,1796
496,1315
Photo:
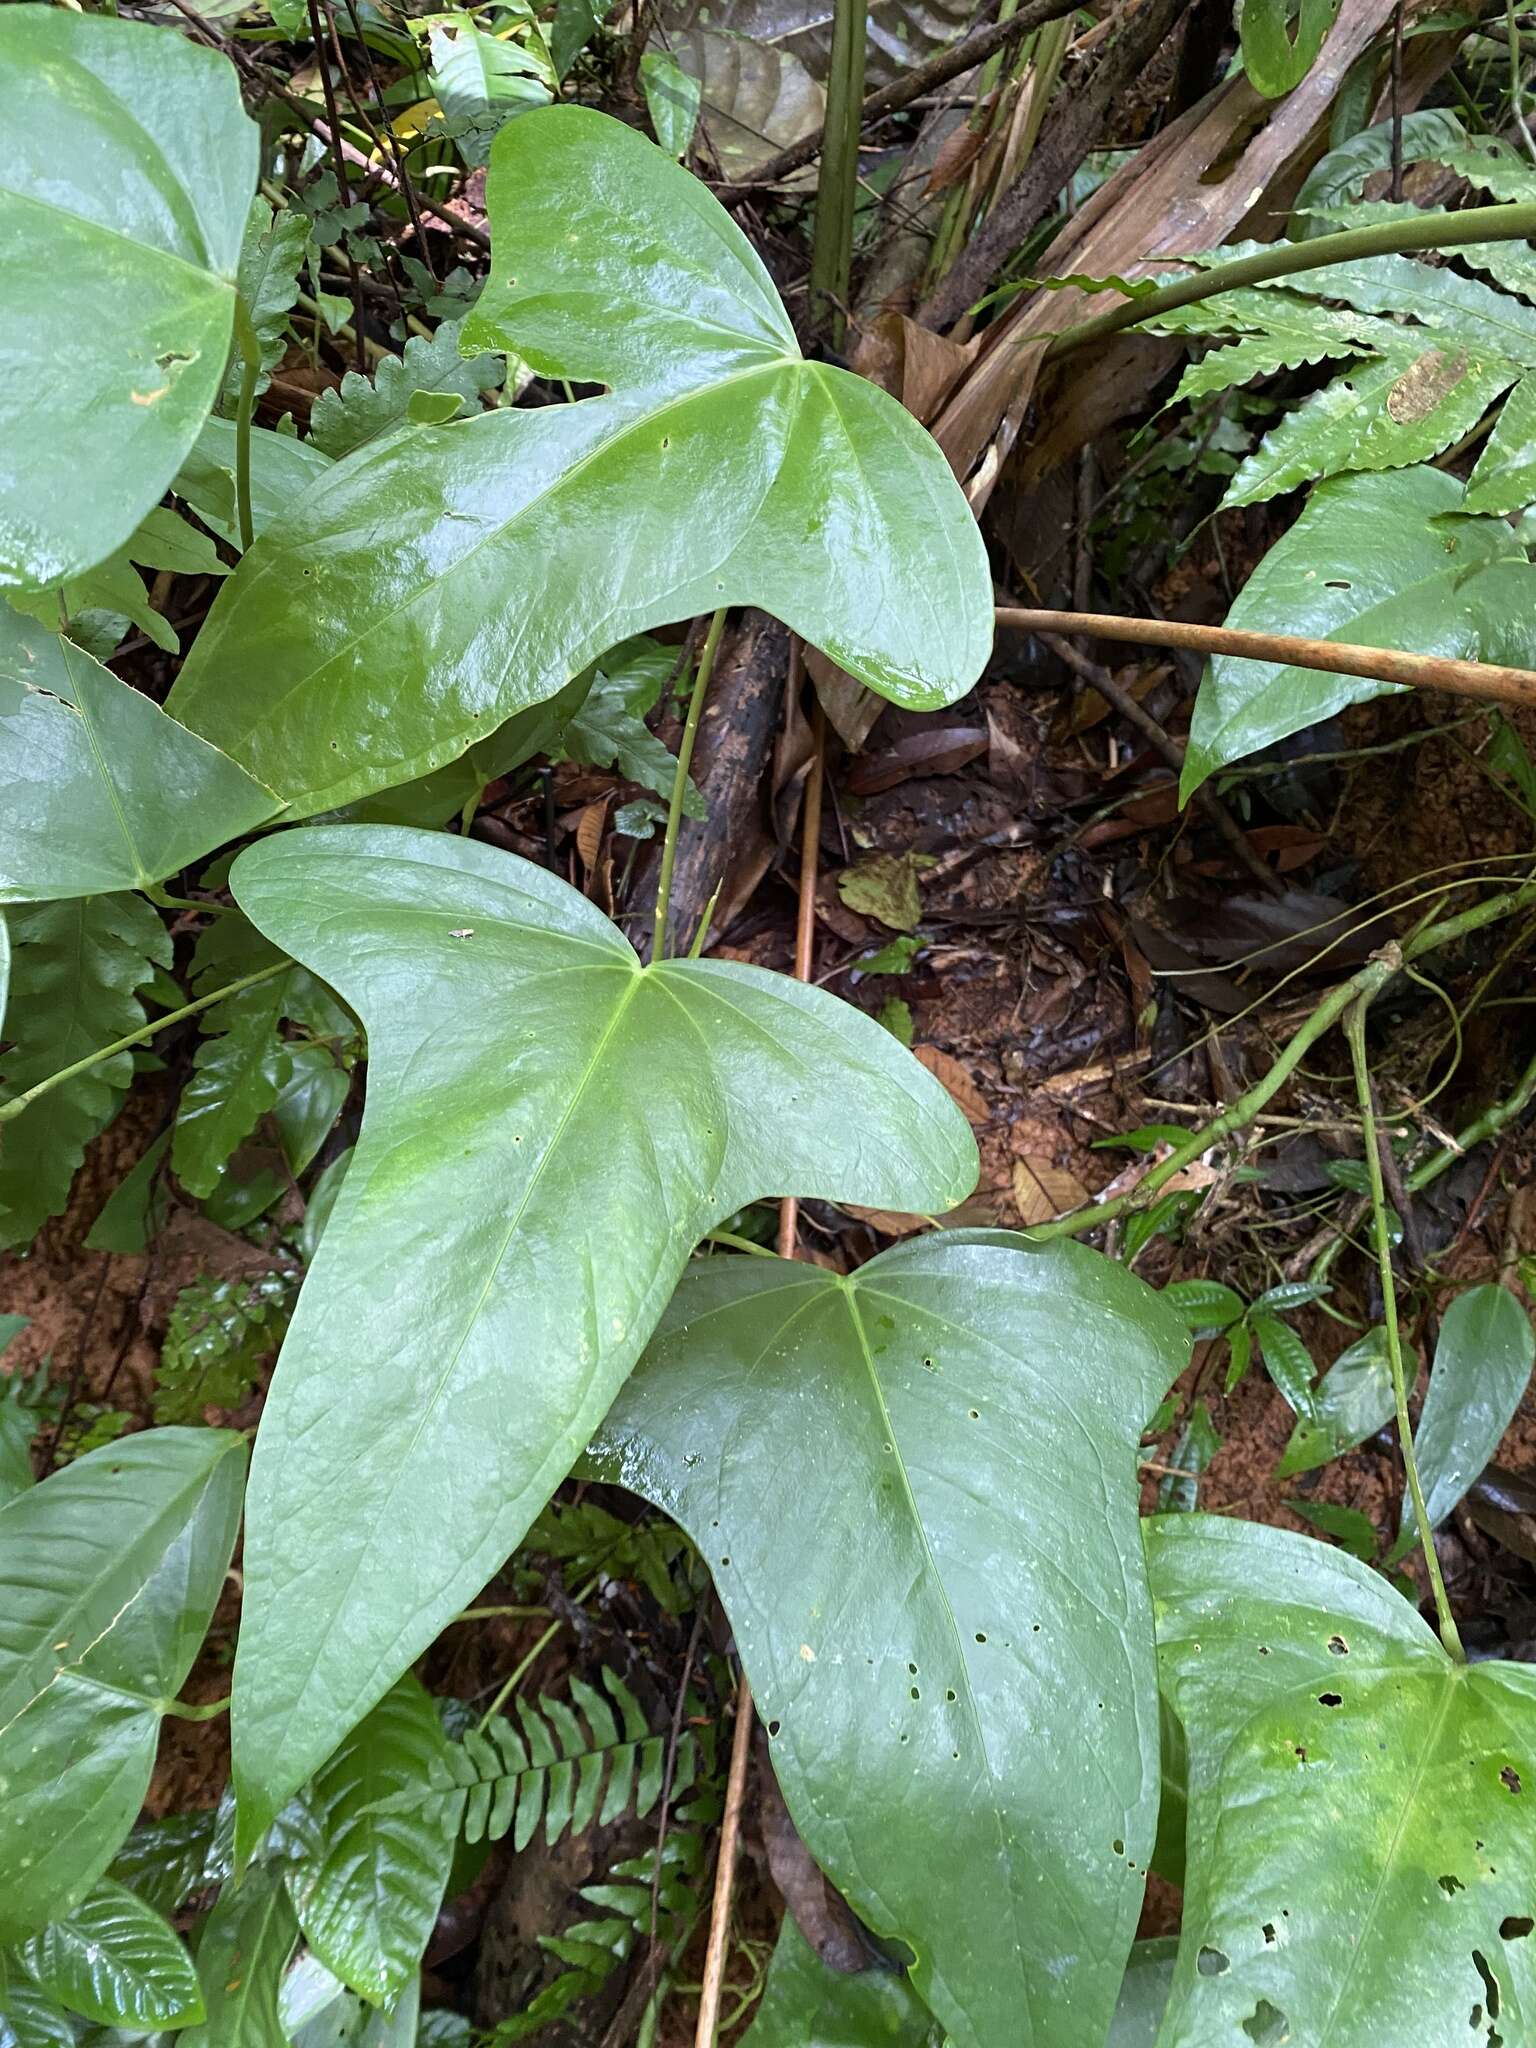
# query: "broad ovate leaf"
368,1901
1482,1368
549,1130
99,789
109,1571
117,1961
129,168
431,585
1275,60
282,469
916,1489
1379,560
1361,1859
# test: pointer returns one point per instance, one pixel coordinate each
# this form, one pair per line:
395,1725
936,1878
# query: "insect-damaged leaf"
549,1130
429,587
1361,1859
99,790
108,1575
129,167
916,1488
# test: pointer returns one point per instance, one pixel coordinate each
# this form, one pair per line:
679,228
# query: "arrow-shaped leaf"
426,589
916,1488
550,1128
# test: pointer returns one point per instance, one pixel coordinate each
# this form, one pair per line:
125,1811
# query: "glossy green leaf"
1198,1442
1348,1526
1287,1360
1378,560
806,2005
1274,59
282,469
29,2018
99,790
1505,477
916,1490
608,730
241,1955
551,1128
1201,1304
1144,1994
129,167
481,81
1482,1368
116,1961
1351,1402
167,1861
365,408
368,1904
430,586
1361,1856
76,968
671,99
109,1571
97,607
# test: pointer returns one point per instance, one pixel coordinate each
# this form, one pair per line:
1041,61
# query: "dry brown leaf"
956,155
1043,1190
958,1080
889,1222
589,832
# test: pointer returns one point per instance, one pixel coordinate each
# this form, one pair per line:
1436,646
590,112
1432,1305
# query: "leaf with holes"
956,1606
99,790
1274,60
1382,561
561,1126
1482,1368
568,1768
114,1960
129,168
109,1571
368,1902
427,588
76,969
1361,1859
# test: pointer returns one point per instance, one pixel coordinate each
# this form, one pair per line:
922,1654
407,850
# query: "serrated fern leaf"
365,408
566,1767
219,1334
242,1065
76,969
1444,348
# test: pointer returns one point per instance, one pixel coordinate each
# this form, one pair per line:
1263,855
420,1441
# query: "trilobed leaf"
549,1130
916,1488
433,584
128,170
108,1575
1361,1859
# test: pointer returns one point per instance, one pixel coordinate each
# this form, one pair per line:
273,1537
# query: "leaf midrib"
627,423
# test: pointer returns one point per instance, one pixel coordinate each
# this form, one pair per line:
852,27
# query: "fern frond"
567,1767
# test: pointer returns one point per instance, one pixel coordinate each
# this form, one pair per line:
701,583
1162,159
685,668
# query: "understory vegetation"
766,909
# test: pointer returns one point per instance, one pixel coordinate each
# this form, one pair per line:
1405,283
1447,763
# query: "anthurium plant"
914,1488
